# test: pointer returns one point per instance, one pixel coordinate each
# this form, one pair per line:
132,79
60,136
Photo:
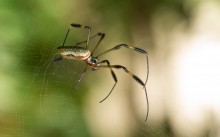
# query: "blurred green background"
37,98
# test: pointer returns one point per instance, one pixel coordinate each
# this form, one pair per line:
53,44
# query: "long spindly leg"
58,60
136,78
102,35
78,26
67,33
81,76
113,76
82,26
133,48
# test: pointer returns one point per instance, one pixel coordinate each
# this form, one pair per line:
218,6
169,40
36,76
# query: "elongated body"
71,52
78,53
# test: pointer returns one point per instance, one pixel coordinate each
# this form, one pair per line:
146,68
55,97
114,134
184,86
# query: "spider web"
45,100
41,100
38,97
51,93
47,104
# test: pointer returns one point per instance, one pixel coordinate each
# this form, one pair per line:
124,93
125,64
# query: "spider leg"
136,78
67,33
133,48
102,35
78,26
58,60
113,76
82,26
81,76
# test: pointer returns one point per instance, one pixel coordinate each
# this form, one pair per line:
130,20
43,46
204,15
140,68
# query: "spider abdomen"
71,52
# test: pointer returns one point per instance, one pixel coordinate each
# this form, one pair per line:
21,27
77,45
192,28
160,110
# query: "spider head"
93,62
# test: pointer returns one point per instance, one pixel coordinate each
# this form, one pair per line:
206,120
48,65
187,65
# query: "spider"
84,54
